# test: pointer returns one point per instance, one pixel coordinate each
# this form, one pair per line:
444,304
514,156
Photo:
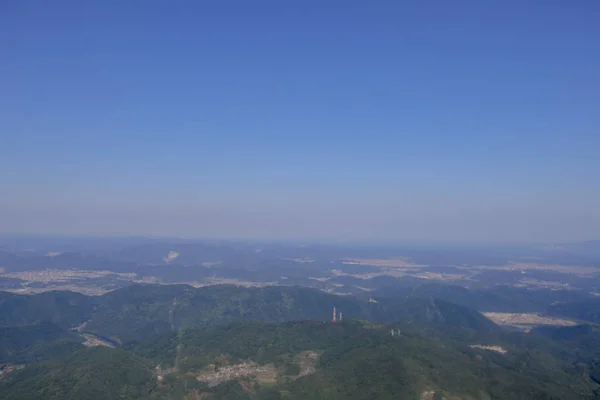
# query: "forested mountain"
216,342
87,374
63,308
300,360
587,310
30,343
138,312
500,298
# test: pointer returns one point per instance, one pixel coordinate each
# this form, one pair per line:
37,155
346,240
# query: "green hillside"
88,374
228,342
300,360
31,343
139,312
63,308
588,310
500,298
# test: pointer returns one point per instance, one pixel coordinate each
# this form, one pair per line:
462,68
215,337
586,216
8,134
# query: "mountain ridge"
298,360
137,312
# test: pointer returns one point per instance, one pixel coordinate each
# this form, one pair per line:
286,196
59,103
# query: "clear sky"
454,121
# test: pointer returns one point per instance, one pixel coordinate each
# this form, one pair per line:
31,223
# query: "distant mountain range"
123,253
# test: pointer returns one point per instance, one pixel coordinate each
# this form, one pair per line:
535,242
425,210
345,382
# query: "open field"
564,269
512,266
526,321
93,341
393,262
262,373
51,275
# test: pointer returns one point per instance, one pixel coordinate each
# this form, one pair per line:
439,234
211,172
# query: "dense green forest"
31,343
227,342
63,308
310,359
138,312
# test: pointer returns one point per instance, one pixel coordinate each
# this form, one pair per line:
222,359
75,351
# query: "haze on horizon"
407,121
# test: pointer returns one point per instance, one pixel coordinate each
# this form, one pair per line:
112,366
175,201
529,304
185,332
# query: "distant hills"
111,263
499,298
29,252
32,261
587,247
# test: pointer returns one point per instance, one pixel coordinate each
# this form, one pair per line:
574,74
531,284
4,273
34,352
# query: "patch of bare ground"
87,290
249,371
543,284
161,372
6,369
526,321
497,349
307,361
68,275
262,373
370,275
236,282
171,256
93,341
81,326
440,276
300,260
565,269
399,267
378,262
399,272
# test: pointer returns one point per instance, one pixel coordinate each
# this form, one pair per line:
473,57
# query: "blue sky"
462,121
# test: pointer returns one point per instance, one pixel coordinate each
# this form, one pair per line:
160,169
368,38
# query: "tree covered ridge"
285,333
356,360
139,312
